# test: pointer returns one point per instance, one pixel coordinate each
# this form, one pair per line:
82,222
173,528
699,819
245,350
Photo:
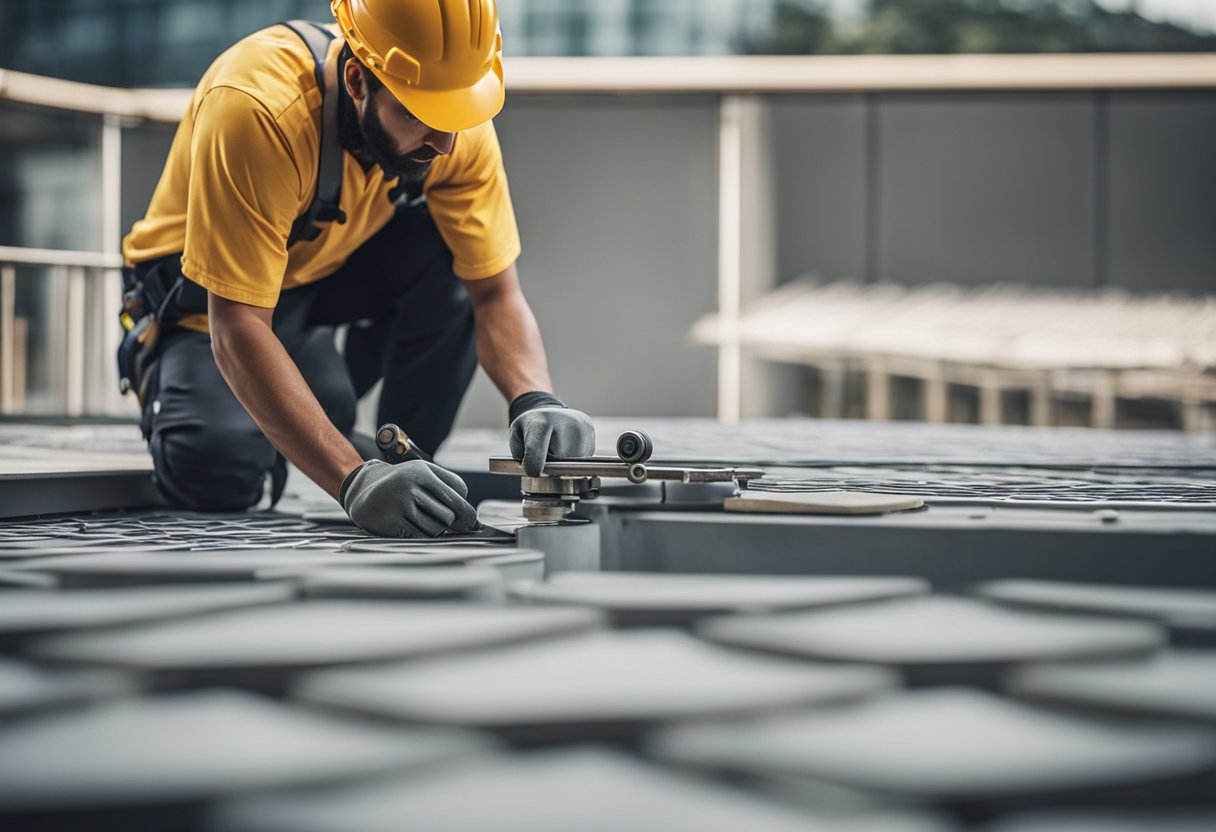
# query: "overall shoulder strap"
328,196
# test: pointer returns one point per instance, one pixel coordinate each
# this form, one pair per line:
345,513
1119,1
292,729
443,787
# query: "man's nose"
440,142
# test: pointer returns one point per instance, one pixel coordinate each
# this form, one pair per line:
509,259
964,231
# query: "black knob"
634,446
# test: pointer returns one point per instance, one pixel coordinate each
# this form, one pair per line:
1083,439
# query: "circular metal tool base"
546,510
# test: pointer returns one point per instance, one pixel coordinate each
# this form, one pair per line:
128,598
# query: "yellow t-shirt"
243,166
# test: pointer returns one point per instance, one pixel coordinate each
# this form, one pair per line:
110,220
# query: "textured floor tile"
580,790
1176,820
473,583
522,565
820,502
25,687
949,745
21,546
589,686
1184,609
28,614
530,561
14,579
638,599
121,569
929,637
55,549
1177,683
193,747
258,647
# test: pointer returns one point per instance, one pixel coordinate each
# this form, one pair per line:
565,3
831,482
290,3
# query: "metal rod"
730,254
103,396
720,75
111,186
620,470
52,257
73,396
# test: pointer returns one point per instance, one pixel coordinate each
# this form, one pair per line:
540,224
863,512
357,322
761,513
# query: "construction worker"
417,254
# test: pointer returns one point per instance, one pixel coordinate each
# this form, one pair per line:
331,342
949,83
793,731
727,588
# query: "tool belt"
155,296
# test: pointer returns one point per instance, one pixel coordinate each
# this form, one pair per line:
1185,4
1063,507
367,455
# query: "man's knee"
210,468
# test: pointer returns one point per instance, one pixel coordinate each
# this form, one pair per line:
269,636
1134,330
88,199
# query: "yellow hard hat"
442,59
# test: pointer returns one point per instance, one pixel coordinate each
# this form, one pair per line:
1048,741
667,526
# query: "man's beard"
381,149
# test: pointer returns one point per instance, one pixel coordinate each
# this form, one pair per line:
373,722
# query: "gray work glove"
413,499
542,427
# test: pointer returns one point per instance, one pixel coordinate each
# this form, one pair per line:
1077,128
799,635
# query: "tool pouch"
155,295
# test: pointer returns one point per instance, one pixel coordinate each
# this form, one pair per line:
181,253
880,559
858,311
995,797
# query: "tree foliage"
951,26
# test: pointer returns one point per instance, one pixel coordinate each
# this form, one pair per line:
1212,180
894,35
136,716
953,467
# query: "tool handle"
397,446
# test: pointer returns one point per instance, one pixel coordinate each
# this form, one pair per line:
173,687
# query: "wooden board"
821,502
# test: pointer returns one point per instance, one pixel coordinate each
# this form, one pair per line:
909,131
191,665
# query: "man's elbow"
221,344
231,325
495,290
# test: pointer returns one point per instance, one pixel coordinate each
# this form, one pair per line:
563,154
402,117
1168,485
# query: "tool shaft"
608,467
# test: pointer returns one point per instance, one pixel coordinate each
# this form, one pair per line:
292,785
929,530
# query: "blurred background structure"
852,232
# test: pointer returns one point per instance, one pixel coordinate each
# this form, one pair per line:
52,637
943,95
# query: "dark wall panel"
980,189
616,200
1162,208
819,163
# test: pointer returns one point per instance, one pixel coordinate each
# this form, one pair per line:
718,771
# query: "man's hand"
413,499
544,428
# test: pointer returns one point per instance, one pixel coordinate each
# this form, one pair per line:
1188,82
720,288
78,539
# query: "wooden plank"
1103,401
936,396
878,392
820,502
990,398
1003,327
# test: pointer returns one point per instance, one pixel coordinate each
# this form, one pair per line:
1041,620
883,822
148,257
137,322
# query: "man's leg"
209,454
421,335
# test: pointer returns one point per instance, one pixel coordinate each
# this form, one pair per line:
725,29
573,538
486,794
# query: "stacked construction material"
1042,342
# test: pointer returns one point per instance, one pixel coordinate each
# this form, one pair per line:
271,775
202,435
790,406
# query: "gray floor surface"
278,670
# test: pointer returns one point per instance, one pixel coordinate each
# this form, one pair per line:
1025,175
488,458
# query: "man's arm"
413,499
509,345
510,348
268,384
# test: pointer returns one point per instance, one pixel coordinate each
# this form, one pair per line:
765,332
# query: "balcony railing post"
74,376
730,255
103,396
8,338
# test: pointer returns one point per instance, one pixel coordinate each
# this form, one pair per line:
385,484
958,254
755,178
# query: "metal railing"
90,298
84,289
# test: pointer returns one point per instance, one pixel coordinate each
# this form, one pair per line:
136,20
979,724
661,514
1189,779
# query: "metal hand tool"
397,446
562,484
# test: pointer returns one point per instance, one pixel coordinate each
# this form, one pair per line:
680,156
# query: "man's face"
400,144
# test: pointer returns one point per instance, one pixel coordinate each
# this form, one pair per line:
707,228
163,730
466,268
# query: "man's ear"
356,85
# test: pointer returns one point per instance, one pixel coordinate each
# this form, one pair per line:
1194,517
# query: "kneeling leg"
208,453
